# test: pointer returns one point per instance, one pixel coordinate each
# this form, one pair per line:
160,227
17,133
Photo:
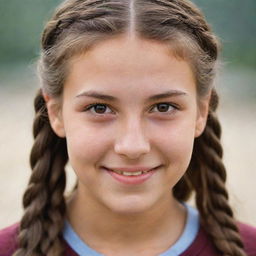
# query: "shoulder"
248,234
8,240
203,245
9,244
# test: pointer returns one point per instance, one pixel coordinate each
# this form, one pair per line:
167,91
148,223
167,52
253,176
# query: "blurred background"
20,29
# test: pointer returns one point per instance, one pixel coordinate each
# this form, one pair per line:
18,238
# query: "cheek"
177,151
86,144
176,143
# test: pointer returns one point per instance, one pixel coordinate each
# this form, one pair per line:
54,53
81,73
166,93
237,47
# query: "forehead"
126,61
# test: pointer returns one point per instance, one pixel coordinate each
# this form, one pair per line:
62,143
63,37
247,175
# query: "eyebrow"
99,95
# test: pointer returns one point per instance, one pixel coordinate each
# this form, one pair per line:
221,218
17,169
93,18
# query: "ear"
202,114
55,115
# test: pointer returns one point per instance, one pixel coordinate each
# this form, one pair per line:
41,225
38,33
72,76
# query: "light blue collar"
186,239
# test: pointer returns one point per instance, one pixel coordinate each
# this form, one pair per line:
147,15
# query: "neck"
100,228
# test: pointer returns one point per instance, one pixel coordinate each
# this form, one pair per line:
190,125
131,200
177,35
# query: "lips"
131,176
130,171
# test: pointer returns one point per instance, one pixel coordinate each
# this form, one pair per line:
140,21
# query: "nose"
132,141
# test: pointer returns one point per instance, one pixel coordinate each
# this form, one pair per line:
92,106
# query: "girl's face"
147,118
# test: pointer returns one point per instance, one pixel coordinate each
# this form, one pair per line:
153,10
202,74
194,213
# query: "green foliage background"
232,20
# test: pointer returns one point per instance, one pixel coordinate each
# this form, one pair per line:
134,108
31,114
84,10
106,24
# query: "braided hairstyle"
76,26
43,200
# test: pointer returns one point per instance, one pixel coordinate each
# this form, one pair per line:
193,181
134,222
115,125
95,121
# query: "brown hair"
75,27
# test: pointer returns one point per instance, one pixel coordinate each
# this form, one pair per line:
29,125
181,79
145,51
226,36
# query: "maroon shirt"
201,245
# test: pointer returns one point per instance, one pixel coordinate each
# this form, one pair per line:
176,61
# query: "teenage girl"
127,97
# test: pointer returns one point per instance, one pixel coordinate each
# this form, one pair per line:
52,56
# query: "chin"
131,205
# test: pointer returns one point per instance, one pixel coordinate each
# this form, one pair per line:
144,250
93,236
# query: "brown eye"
98,108
163,107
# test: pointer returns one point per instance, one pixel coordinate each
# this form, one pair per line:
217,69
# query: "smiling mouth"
133,177
130,173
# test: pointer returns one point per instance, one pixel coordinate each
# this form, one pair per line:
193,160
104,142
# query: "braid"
208,179
179,15
43,201
81,16
55,28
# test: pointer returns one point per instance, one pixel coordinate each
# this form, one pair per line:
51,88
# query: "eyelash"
174,106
